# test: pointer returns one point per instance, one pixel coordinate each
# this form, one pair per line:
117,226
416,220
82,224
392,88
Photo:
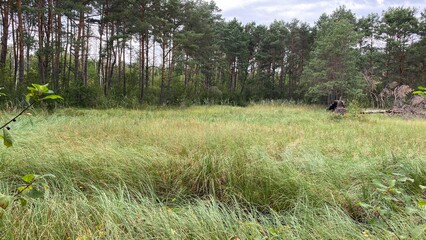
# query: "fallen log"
375,111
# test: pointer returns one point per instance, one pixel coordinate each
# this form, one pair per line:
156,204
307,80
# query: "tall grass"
265,171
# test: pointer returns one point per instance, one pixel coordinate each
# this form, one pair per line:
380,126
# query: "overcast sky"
266,11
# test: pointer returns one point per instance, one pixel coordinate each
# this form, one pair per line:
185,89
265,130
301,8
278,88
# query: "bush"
83,96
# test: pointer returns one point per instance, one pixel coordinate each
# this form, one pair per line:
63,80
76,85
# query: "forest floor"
267,171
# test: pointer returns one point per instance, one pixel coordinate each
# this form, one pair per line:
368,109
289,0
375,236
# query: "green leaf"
35,193
44,88
23,201
29,96
422,187
36,86
421,93
39,88
31,89
25,188
7,137
52,97
29,178
5,200
422,203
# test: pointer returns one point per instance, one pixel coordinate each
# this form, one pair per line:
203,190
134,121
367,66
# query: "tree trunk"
147,59
107,56
142,67
119,51
65,79
15,51
236,75
100,68
124,68
282,80
86,56
40,21
153,61
185,70
5,30
243,83
273,71
72,34
163,68
171,63
112,57
49,39
56,64
27,59
231,71
78,45
21,42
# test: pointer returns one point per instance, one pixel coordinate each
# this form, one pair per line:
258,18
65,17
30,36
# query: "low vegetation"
267,171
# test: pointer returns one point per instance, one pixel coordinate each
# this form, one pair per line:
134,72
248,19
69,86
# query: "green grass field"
262,172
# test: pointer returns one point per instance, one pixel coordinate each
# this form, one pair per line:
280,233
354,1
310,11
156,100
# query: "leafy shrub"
83,96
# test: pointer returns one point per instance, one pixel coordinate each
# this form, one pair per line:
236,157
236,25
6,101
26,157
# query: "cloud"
266,11
227,5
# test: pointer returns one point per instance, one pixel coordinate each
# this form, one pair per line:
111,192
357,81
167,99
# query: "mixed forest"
272,170
127,52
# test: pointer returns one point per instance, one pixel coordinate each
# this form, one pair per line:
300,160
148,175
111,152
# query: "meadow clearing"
266,171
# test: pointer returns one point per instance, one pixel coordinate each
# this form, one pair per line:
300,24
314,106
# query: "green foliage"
34,186
420,91
398,26
7,138
391,198
282,60
2,94
79,95
5,201
332,70
38,93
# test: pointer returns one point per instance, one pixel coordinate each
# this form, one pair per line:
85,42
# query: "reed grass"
267,171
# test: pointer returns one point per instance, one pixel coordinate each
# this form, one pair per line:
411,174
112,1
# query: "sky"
266,11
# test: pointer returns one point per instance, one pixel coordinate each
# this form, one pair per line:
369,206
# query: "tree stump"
338,106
